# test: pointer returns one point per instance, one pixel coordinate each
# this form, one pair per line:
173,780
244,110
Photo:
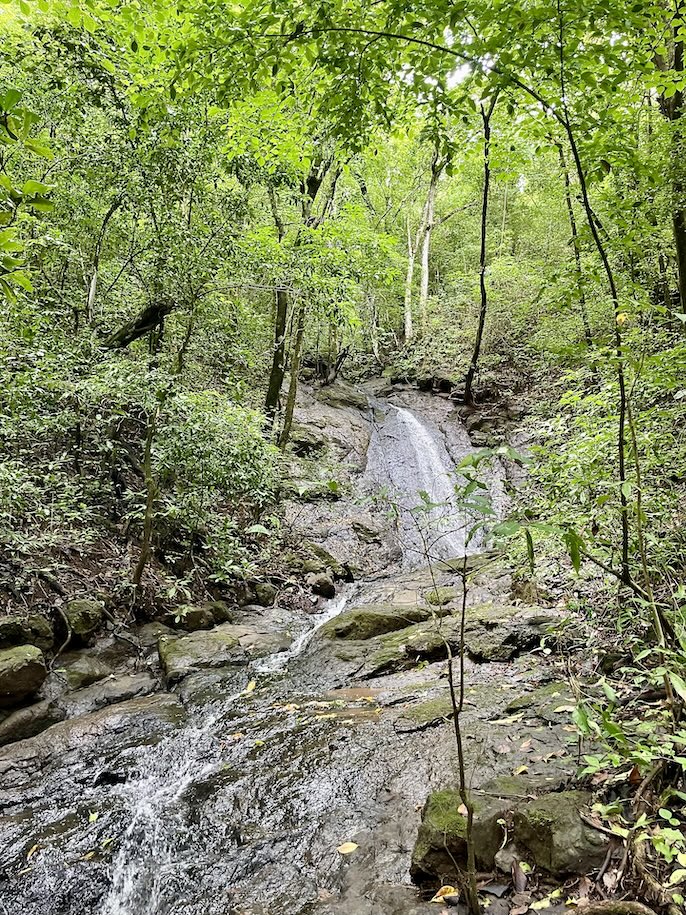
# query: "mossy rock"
425,715
405,647
306,439
190,618
202,650
22,672
546,702
82,669
85,618
441,846
362,623
327,561
439,597
558,840
33,629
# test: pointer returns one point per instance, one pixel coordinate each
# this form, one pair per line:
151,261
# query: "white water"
409,455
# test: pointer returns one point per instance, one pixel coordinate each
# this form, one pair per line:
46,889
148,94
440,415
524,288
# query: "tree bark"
576,248
93,285
486,115
429,211
296,357
148,319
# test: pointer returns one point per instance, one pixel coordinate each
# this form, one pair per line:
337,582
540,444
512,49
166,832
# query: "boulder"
81,669
22,672
370,620
29,721
321,583
499,632
33,629
547,702
306,439
85,618
202,650
220,610
190,618
441,846
550,828
107,691
266,593
327,562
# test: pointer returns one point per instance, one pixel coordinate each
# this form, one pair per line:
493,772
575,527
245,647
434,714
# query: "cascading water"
411,457
240,810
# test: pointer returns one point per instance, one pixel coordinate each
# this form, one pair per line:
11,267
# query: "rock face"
441,842
552,831
82,669
183,655
113,729
85,618
27,722
22,672
30,630
266,593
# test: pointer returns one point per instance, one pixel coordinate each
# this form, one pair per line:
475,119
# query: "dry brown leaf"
518,877
462,810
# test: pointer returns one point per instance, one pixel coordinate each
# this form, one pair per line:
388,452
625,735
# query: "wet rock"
405,647
22,672
441,845
371,620
190,618
183,655
314,491
266,593
209,686
81,669
552,831
29,721
113,728
321,583
107,691
85,618
33,629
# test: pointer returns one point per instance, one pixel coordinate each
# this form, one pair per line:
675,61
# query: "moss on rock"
22,672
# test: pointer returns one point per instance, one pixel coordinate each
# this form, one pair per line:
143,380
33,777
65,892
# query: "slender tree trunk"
151,496
429,212
673,108
616,306
576,247
279,356
409,276
296,358
93,285
486,115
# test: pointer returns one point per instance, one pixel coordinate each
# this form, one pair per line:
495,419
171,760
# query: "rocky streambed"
275,762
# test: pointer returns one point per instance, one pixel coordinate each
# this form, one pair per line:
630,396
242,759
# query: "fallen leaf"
520,770
526,745
251,686
635,776
584,887
32,851
462,810
92,816
518,877
444,891
347,848
510,720
564,708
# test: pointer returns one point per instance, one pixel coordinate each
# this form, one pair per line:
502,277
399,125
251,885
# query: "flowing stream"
240,810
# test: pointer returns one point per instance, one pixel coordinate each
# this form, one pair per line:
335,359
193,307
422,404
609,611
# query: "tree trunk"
474,364
672,109
150,318
93,285
296,357
279,357
429,211
577,249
